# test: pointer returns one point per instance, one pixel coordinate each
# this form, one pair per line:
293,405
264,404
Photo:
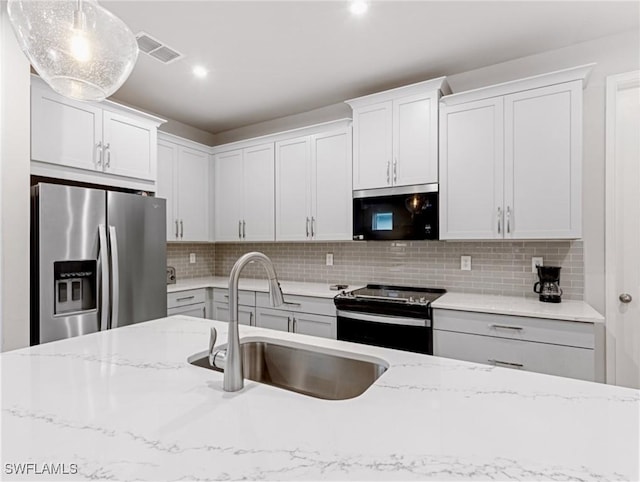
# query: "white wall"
14,189
613,54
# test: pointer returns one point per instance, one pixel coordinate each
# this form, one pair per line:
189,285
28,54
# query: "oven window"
382,222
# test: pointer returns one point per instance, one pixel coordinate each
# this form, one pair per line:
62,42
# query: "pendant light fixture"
79,48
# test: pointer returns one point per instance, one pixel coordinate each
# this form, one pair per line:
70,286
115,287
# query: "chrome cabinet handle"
240,229
395,170
506,364
289,303
244,232
107,149
506,327
508,219
307,227
313,222
288,323
181,229
625,298
293,328
388,172
499,219
186,298
204,311
176,229
251,318
98,154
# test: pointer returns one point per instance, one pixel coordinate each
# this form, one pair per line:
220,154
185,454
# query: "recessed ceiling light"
200,72
358,7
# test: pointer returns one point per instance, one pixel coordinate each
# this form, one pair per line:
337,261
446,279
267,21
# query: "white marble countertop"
570,310
125,405
316,290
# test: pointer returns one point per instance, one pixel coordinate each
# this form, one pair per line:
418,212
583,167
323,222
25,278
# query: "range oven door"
408,334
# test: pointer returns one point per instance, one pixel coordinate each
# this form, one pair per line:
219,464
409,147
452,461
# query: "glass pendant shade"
80,49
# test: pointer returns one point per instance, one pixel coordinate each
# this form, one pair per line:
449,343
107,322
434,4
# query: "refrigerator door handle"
104,278
115,277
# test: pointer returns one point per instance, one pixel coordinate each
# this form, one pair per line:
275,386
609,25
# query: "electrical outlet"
329,259
536,261
465,263
192,258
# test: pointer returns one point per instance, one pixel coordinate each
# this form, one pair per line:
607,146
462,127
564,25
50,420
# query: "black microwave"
407,212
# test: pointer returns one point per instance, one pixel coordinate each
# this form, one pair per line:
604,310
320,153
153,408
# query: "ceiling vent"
156,49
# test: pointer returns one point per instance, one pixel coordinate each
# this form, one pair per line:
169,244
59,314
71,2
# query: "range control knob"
423,300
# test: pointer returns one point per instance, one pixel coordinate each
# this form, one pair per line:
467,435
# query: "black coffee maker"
549,285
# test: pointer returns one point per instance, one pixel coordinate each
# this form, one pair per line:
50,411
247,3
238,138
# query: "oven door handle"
390,320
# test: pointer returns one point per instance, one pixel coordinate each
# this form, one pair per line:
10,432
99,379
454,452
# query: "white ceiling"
270,59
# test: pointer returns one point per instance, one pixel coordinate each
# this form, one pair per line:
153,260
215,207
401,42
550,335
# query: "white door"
129,146
193,194
543,162
293,210
65,132
331,194
372,146
228,196
166,185
259,193
623,229
274,319
415,140
471,170
315,325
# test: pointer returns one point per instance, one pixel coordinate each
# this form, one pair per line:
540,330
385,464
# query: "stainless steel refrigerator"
98,260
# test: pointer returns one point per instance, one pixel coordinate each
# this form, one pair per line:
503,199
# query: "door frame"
614,84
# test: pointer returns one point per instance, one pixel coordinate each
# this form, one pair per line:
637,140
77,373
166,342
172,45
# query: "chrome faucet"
232,360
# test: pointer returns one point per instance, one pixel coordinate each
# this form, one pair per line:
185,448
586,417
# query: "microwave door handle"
115,277
103,266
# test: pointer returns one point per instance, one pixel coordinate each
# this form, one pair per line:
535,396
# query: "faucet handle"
212,342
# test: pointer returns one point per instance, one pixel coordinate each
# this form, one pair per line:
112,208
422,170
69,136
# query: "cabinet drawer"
246,298
302,304
183,298
559,332
198,310
524,355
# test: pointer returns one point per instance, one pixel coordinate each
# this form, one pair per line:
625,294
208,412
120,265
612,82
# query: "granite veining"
126,405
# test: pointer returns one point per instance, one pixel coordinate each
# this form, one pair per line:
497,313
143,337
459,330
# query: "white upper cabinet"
313,187
511,159
101,143
395,136
183,180
244,194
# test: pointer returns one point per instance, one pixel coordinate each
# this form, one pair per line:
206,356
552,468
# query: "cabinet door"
315,325
331,192
471,170
228,196
274,319
293,210
246,314
193,194
130,146
372,146
199,311
565,361
65,132
543,162
415,140
166,185
259,193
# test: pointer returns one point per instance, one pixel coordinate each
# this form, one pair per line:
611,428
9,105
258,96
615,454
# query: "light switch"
329,259
536,261
465,263
192,258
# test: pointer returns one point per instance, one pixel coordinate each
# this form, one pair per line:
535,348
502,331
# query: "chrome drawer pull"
506,364
186,298
507,327
288,303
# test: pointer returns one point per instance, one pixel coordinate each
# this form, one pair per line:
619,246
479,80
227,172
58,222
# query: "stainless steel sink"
330,375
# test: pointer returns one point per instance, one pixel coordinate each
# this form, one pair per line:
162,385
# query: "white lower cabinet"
188,302
246,306
303,323
554,347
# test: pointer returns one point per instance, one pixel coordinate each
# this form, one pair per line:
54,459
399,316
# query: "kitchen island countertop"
125,405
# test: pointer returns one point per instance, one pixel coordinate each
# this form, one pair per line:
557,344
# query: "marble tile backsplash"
497,267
